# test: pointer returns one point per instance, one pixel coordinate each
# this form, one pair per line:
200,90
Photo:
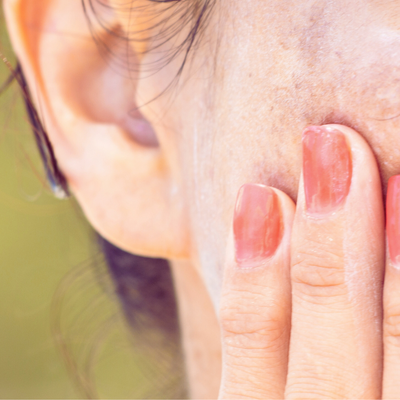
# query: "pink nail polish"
327,169
257,223
393,219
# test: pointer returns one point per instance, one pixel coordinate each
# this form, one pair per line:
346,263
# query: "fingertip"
262,219
288,207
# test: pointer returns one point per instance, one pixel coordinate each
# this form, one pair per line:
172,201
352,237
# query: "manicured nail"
327,169
257,223
393,219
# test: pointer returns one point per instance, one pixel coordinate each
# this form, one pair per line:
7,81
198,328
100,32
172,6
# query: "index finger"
255,304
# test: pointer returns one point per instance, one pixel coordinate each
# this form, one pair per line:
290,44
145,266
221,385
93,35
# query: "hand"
302,312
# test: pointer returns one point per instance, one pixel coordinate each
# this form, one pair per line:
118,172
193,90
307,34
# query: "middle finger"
337,263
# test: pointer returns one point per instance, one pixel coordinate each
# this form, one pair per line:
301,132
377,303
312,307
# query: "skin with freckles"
162,180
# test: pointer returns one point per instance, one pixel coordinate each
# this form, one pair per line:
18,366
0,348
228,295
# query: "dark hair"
55,178
120,306
163,20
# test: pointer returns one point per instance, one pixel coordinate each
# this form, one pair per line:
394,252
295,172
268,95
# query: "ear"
115,161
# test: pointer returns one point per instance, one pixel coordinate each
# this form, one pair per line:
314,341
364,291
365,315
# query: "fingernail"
256,224
327,169
393,219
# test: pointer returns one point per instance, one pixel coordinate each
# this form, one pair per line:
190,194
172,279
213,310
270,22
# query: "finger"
255,303
391,298
337,262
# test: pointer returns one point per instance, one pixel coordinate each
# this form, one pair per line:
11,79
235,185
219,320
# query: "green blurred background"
47,251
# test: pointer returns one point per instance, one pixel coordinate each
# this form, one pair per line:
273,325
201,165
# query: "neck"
200,332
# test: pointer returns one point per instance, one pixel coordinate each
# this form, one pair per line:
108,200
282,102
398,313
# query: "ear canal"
141,131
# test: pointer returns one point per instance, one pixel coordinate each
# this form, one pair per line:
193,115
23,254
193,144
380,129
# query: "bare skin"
263,72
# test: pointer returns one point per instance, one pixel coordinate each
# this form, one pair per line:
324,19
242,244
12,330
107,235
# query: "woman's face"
260,72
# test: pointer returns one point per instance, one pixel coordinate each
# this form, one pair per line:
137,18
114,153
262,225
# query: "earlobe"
105,147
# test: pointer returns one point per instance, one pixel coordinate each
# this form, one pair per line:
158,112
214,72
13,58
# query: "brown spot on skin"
313,40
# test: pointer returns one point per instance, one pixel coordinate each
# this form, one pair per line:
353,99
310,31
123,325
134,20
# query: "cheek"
351,77
244,124
363,92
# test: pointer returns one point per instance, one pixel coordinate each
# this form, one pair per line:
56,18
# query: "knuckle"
245,390
252,326
318,275
336,382
308,391
392,325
